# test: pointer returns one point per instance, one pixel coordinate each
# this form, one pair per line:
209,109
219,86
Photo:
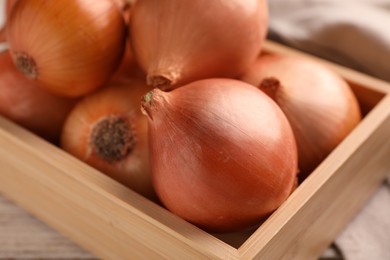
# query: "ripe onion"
223,154
69,47
28,105
177,42
320,105
108,131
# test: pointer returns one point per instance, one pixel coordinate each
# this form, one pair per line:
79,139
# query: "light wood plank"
24,237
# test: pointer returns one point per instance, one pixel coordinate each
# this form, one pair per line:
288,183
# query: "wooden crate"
113,222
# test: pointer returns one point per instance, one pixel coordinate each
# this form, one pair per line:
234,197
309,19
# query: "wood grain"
23,236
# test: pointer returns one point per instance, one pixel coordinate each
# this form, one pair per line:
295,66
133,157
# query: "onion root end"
26,65
112,139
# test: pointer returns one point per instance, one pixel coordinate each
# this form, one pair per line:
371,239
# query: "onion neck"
112,139
270,86
151,101
26,65
159,81
164,79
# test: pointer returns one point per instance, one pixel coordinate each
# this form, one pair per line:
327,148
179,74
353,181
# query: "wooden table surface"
23,236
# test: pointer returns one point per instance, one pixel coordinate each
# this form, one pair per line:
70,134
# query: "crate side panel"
327,200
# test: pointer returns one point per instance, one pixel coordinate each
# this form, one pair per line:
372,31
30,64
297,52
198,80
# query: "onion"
70,47
28,105
107,130
320,105
223,154
177,42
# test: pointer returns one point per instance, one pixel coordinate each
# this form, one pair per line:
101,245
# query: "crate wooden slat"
113,222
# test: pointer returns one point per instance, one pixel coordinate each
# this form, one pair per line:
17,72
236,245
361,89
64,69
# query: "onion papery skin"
177,42
66,46
223,154
113,102
320,105
30,106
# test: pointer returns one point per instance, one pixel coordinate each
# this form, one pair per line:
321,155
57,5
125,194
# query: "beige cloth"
354,33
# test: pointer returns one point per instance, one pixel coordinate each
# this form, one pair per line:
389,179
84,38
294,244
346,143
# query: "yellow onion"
177,42
70,47
223,154
320,105
30,106
107,130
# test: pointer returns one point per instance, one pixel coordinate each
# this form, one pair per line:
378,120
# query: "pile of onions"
68,47
212,148
320,105
223,154
107,130
28,105
177,42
